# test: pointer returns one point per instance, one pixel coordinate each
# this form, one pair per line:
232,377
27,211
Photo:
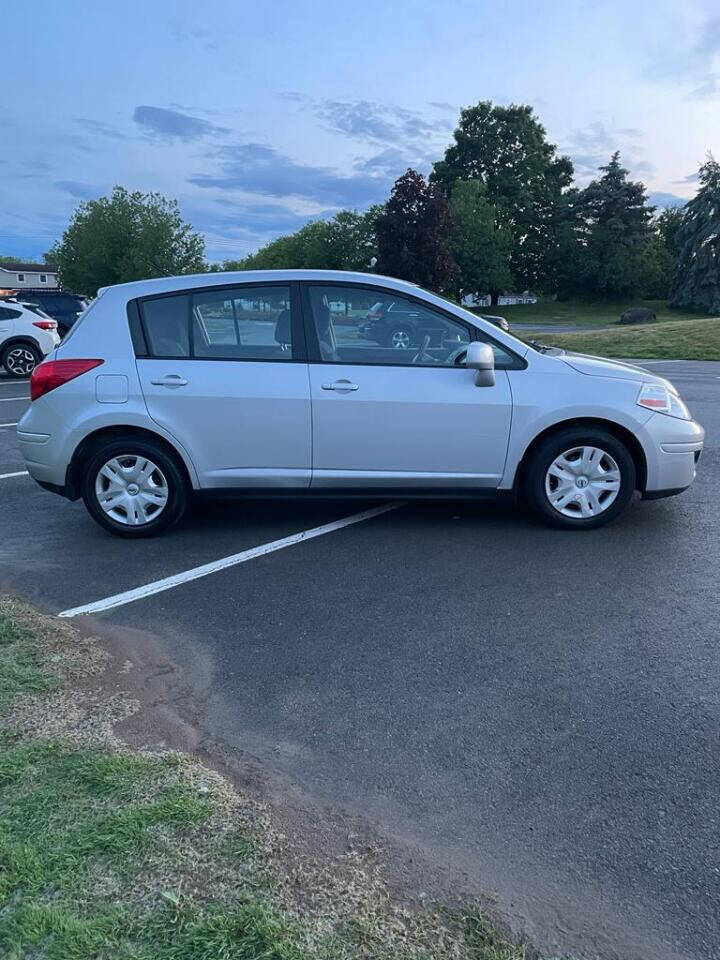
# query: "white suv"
263,384
27,335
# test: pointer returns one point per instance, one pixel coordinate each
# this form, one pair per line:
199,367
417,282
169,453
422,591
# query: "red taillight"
54,373
45,324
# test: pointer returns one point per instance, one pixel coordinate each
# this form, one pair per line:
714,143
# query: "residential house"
31,277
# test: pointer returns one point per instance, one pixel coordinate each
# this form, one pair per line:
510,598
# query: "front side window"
357,325
245,323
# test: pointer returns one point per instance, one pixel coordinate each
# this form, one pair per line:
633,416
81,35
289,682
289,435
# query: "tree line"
499,212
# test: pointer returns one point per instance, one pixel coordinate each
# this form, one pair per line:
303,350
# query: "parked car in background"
396,324
27,335
63,307
500,322
242,384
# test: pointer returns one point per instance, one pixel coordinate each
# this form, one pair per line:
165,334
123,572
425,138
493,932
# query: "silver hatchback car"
263,384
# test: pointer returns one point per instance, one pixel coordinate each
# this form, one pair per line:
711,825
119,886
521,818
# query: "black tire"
406,333
170,467
557,444
30,359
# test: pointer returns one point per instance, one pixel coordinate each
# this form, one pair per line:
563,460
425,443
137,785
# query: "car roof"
139,288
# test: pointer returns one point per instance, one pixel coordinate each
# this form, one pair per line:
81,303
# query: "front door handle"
171,380
341,386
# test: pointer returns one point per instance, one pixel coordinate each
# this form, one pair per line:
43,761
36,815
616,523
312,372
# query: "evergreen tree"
696,282
615,233
413,234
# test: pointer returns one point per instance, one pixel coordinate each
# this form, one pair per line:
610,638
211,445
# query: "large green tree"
414,234
616,243
506,148
480,248
346,242
696,282
127,236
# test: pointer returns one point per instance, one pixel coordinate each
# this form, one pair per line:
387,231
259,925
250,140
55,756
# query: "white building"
504,300
28,276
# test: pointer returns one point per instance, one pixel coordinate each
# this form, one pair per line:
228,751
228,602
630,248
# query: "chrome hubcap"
131,489
400,340
20,361
582,482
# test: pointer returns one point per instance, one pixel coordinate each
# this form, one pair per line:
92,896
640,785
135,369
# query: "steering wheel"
457,357
420,355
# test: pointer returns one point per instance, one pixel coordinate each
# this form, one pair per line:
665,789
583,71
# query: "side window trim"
313,345
297,327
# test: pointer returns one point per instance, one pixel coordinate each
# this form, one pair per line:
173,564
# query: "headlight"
654,396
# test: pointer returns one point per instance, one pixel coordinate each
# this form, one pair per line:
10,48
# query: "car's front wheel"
580,479
134,488
20,359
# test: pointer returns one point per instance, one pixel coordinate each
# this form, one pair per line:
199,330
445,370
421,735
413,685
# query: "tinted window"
7,314
166,323
355,325
249,323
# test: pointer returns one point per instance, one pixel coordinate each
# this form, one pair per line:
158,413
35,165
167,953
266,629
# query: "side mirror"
480,357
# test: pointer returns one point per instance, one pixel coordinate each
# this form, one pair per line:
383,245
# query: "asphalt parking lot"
538,709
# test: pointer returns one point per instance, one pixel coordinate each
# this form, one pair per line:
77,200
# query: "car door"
6,322
223,370
400,416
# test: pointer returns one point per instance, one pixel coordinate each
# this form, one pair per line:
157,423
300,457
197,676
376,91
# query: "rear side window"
242,323
166,325
7,314
249,323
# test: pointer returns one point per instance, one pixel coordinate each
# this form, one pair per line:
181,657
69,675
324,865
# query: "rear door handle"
341,386
171,380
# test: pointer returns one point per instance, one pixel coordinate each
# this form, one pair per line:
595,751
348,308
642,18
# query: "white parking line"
9,424
20,473
10,399
158,586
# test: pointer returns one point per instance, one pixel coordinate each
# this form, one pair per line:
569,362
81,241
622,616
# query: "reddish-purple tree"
413,234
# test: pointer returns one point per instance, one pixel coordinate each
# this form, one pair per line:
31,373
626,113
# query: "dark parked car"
63,307
397,324
498,321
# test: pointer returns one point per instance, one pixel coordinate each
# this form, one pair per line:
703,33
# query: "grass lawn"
117,854
676,340
581,314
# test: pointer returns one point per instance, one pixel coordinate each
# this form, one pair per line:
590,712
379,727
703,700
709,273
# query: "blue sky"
259,116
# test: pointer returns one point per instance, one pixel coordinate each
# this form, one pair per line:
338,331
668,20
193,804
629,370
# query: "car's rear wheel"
400,338
20,359
580,479
134,488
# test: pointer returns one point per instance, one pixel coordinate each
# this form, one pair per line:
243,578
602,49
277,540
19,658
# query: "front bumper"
676,447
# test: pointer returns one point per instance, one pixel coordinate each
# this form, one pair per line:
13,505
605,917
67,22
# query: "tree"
413,234
507,150
666,224
352,239
346,242
479,247
696,282
616,249
127,236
